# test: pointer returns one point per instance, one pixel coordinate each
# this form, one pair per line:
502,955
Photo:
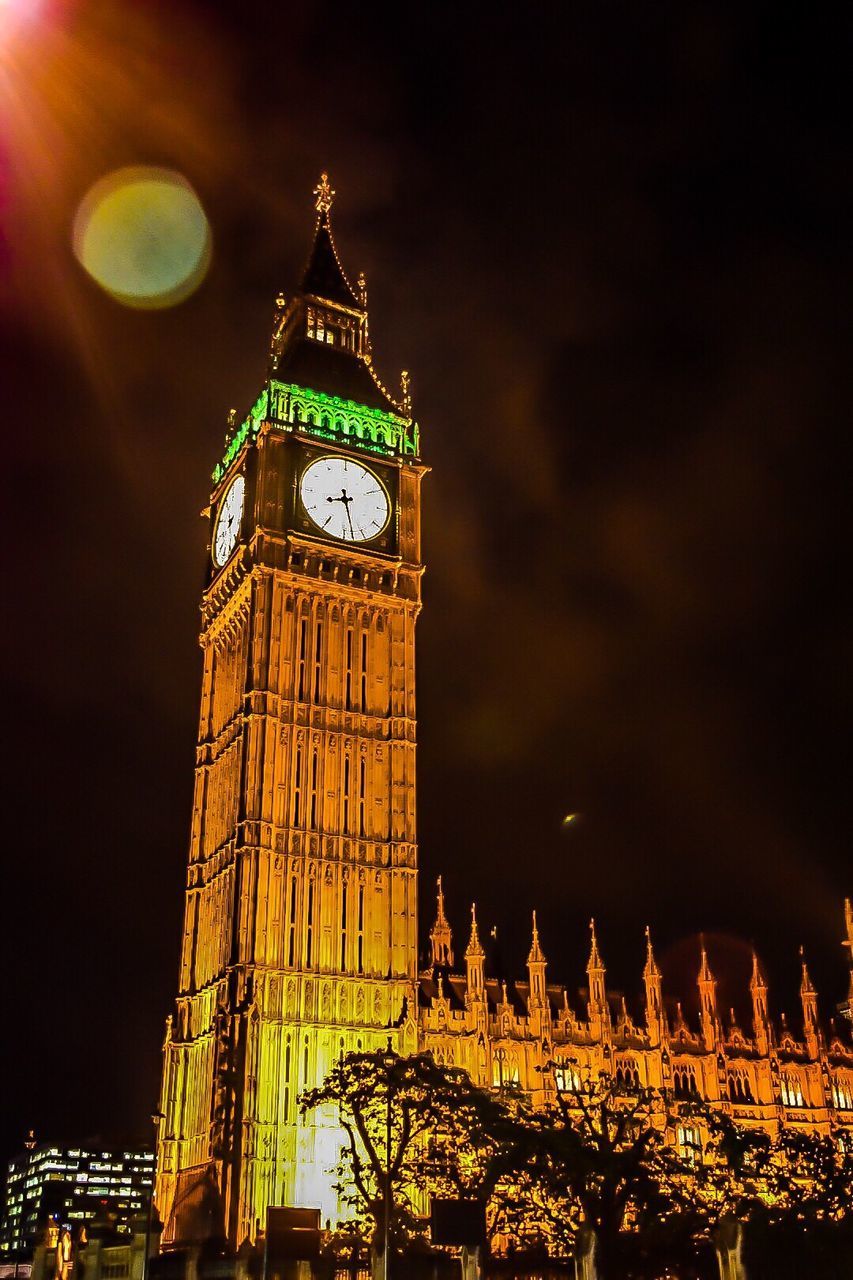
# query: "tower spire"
536,970
441,939
324,276
594,963
651,969
474,950
535,955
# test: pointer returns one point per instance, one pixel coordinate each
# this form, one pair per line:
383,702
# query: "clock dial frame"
229,517
344,499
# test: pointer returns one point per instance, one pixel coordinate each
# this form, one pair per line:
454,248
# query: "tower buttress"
440,937
708,1019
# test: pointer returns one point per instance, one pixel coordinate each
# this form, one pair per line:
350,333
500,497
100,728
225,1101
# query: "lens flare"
142,234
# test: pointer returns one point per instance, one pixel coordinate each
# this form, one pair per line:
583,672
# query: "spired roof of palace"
627,1017
454,987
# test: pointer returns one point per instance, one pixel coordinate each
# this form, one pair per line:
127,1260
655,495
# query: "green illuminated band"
289,407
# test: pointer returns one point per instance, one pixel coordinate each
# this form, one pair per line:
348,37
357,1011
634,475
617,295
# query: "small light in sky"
570,819
142,234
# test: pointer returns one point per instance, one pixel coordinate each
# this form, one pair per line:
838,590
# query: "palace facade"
528,1035
300,923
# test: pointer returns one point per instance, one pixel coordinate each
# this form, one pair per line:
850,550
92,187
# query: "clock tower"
299,938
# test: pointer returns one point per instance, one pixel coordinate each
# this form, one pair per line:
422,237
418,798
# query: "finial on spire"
705,974
757,981
439,935
406,392
651,969
595,961
474,950
324,194
536,955
806,987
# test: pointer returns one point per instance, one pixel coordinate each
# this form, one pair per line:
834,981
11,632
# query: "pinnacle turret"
654,993
535,955
650,969
808,999
475,957
594,964
757,982
440,936
760,1017
707,984
474,950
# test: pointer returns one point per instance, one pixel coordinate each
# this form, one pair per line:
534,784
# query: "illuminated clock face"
344,499
230,514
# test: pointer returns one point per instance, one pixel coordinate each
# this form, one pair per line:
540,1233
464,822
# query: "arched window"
740,1089
790,1090
360,933
566,1077
684,1082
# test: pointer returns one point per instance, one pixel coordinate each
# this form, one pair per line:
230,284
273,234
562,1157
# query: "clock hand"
346,500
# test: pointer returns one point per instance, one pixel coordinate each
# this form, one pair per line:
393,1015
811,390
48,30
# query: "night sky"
612,244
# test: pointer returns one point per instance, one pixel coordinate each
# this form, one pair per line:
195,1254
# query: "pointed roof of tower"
757,982
705,974
474,950
595,961
650,969
806,985
536,954
345,372
440,935
324,276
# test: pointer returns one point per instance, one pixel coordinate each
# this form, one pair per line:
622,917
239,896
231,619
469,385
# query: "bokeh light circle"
142,234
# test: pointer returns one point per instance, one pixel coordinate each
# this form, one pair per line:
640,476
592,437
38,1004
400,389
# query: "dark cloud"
613,249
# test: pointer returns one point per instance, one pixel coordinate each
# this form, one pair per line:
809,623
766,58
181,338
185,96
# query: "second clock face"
344,499
227,529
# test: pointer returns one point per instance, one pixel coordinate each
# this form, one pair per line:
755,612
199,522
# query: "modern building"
299,938
68,1187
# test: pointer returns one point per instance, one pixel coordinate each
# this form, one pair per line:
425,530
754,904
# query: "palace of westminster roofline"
527,1035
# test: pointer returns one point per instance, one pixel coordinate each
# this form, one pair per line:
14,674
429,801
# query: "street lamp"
389,1061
